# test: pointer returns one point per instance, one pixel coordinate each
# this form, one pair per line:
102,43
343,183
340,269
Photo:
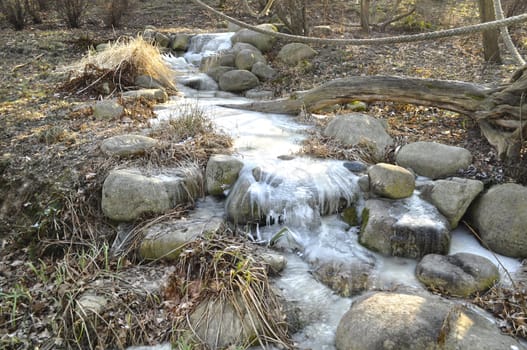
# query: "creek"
261,140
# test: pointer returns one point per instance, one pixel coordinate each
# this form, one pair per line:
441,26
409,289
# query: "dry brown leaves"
509,305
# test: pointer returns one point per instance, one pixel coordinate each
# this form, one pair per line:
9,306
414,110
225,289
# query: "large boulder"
245,59
221,173
452,196
128,145
385,320
217,71
433,160
391,181
166,239
461,274
410,228
129,193
261,41
500,217
360,129
238,80
293,53
263,71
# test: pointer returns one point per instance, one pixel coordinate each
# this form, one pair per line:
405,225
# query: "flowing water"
309,193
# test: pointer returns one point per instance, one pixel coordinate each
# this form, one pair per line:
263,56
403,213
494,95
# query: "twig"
382,26
27,63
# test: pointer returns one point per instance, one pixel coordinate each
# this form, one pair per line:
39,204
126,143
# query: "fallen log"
500,111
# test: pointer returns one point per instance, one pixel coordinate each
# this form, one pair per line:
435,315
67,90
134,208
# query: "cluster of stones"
243,67
409,211
389,224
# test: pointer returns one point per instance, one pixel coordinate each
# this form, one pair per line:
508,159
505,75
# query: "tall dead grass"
119,65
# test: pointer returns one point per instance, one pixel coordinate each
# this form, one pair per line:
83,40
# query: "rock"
262,42
346,279
157,95
360,129
91,304
216,72
102,47
180,42
293,53
161,39
147,82
391,181
357,106
319,31
128,145
219,323
107,109
410,228
500,217
275,261
453,197
233,27
433,160
129,193
364,183
461,274
201,82
263,71
255,94
350,217
228,58
165,240
245,59
149,34
221,173
355,166
237,47
238,80
385,320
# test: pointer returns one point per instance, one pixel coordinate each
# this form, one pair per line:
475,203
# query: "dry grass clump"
226,271
509,306
320,146
118,66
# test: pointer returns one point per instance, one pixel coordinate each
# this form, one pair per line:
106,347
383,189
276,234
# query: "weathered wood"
491,49
501,111
461,97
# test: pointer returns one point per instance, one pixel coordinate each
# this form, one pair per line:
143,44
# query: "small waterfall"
205,45
293,192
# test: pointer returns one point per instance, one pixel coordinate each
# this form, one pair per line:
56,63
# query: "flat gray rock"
433,160
129,193
128,145
461,274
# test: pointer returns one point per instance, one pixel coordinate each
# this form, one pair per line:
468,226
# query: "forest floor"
49,144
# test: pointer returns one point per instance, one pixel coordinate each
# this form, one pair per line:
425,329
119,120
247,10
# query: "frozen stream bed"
261,139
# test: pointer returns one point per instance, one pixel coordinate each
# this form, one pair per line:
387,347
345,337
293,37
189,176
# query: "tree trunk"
501,112
490,37
365,15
